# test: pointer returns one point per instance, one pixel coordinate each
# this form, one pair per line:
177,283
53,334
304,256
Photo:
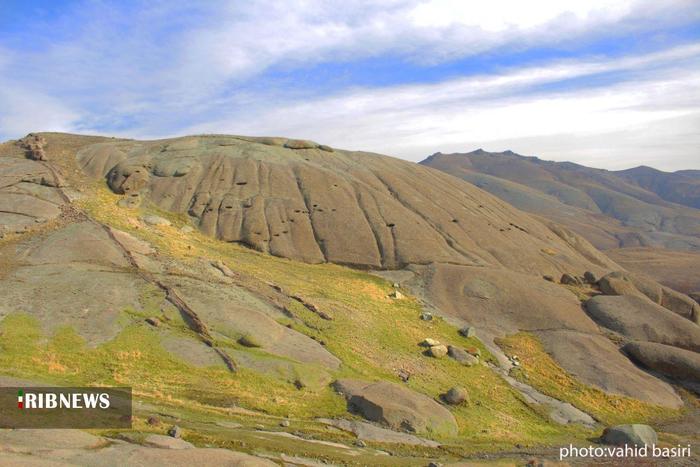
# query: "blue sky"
607,83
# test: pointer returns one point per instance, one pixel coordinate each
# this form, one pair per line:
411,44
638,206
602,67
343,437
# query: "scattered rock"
437,351
475,351
549,278
397,407
622,435
166,442
404,375
360,444
456,396
396,295
175,431
153,321
570,279
468,331
153,421
616,286
462,356
434,464
590,277
284,423
428,342
248,340
151,219
426,316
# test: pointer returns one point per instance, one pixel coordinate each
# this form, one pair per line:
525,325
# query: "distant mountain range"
636,207
642,208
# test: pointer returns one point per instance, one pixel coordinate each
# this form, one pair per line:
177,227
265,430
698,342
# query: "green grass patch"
544,374
373,335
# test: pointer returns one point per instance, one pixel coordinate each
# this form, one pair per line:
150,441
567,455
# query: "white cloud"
505,112
245,38
26,111
177,66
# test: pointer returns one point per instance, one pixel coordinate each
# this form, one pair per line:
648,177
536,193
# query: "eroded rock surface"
667,360
625,283
639,318
303,202
73,447
397,407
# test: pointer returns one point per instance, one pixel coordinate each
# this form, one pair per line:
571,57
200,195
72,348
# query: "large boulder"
670,361
625,283
497,301
641,319
631,435
598,362
456,396
397,407
462,356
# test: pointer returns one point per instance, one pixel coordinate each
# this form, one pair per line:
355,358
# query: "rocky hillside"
210,273
613,209
681,187
640,208
311,203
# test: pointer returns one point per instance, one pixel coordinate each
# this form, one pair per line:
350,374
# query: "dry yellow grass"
547,376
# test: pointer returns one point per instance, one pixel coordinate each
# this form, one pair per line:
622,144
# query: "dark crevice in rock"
189,315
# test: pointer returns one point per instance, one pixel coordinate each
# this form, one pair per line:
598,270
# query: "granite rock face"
303,202
397,407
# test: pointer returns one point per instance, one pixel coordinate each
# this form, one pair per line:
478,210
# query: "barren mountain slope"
317,204
198,270
682,187
633,208
631,214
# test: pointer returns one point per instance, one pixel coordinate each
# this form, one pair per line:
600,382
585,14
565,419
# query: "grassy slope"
373,335
542,372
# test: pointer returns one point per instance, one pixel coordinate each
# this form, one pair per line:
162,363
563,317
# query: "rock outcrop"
303,202
625,283
397,407
638,318
34,146
670,361
630,435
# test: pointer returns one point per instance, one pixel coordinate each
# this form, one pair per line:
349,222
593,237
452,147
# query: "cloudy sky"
612,83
